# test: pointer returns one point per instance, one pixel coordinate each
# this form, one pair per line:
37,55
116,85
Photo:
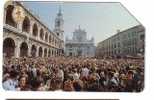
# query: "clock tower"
59,22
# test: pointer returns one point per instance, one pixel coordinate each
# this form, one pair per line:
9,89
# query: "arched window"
26,25
53,41
50,39
46,37
9,19
41,34
35,30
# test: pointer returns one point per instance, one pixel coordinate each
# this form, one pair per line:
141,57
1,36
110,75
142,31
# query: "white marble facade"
79,45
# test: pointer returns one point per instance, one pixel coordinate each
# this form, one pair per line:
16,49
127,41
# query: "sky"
99,20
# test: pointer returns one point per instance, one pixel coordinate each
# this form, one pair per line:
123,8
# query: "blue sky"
100,20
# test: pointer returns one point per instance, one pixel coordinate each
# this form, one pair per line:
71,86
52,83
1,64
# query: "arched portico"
40,52
33,51
8,47
23,49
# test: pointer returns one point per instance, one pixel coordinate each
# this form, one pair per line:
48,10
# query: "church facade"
30,37
79,45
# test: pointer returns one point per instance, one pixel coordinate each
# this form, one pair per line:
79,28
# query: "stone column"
74,51
54,52
17,51
42,52
17,47
37,50
31,28
4,16
38,34
19,26
29,49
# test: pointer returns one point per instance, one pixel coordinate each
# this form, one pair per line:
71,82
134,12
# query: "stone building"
79,45
30,37
129,42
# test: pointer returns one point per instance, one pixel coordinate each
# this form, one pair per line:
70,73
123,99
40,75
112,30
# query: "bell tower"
59,22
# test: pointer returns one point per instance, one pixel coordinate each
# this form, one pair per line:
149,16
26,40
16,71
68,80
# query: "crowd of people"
73,74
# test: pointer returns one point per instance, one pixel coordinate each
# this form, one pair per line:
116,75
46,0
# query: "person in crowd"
73,74
11,81
68,85
78,85
23,86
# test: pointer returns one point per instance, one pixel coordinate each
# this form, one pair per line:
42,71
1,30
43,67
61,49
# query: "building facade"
129,42
79,45
29,37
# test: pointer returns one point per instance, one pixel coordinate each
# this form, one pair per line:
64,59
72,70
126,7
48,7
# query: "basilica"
79,45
